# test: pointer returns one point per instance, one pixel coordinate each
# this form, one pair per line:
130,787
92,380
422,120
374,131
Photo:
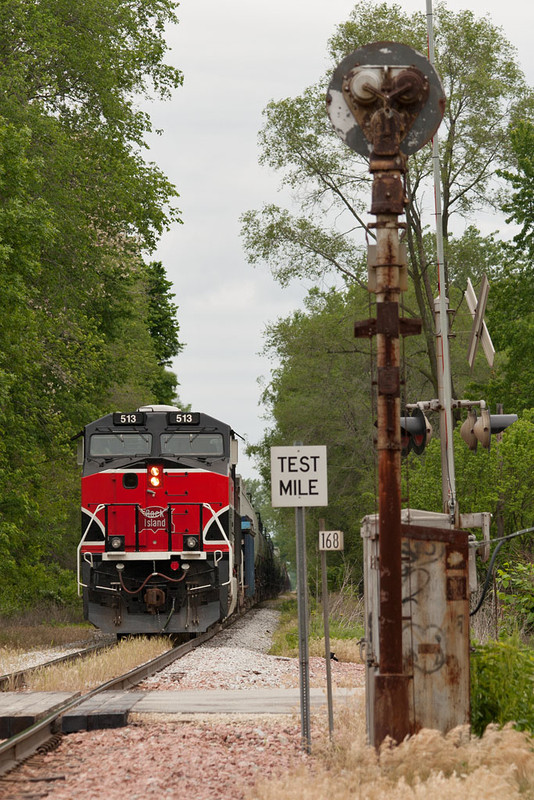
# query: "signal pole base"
393,697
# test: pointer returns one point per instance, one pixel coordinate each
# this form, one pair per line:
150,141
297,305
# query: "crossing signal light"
475,430
416,431
467,431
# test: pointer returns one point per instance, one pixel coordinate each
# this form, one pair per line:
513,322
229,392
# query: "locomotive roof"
158,414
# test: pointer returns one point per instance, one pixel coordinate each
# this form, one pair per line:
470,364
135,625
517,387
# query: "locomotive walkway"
111,709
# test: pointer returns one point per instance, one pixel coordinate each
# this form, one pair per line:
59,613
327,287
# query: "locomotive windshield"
192,444
120,444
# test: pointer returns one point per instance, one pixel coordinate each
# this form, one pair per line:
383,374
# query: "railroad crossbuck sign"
298,476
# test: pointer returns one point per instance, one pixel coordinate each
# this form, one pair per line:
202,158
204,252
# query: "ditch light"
191,543
115,544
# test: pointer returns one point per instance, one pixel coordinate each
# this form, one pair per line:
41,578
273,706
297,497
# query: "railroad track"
38,737
17,680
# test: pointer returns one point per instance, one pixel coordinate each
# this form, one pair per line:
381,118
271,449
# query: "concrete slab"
111,709
105,710
19,710
238,701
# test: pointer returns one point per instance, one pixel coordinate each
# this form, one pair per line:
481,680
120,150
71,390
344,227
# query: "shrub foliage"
502,685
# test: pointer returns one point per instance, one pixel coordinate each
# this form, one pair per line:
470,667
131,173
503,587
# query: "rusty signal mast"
386,101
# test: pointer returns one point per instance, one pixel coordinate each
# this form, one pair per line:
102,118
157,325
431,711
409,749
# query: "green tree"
319,393
80,208
332,184
484,478
520,206
511,314
163,328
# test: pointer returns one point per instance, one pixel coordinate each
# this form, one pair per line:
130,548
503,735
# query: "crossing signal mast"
473,430
386,101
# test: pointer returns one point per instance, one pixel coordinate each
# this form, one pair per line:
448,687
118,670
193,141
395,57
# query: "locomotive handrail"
229,582
225,539
218,522
79,548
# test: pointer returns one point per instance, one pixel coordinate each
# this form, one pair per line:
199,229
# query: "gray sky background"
236,56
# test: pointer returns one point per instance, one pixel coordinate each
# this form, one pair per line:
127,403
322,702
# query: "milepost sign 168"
299,476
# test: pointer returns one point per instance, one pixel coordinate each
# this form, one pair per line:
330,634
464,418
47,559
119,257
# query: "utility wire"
500,541
479,543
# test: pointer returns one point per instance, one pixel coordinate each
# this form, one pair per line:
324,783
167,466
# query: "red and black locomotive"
170,541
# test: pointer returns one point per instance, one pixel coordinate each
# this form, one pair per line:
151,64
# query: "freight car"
170,541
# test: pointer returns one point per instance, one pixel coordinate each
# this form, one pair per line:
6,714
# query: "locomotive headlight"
191,543
155,475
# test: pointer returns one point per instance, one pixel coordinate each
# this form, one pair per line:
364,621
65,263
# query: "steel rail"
19,747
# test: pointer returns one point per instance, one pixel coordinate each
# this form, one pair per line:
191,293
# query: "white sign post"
328,540
299,479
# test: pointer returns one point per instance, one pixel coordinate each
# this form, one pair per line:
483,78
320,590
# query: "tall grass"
46,625
84,674
499,766
50,612
345,627
29,637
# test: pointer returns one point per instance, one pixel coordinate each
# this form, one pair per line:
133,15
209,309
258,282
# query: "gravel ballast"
197,757
237,659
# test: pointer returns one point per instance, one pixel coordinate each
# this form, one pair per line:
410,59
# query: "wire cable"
478,543
489,574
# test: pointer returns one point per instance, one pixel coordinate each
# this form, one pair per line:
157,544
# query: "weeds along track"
39,735
14,681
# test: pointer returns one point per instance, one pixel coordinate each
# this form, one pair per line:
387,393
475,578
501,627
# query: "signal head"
416,431
467,431
491,423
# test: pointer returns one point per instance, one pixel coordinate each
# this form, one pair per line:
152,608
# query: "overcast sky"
236,56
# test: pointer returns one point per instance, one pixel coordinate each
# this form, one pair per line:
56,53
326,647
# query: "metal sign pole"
324,583
328,540
303,619
448,476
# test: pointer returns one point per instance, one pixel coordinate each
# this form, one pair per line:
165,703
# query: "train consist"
170,541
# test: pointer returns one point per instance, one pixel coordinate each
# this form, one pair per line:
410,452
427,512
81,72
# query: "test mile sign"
298,476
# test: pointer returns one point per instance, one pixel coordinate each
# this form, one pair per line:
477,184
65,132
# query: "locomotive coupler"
154,599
